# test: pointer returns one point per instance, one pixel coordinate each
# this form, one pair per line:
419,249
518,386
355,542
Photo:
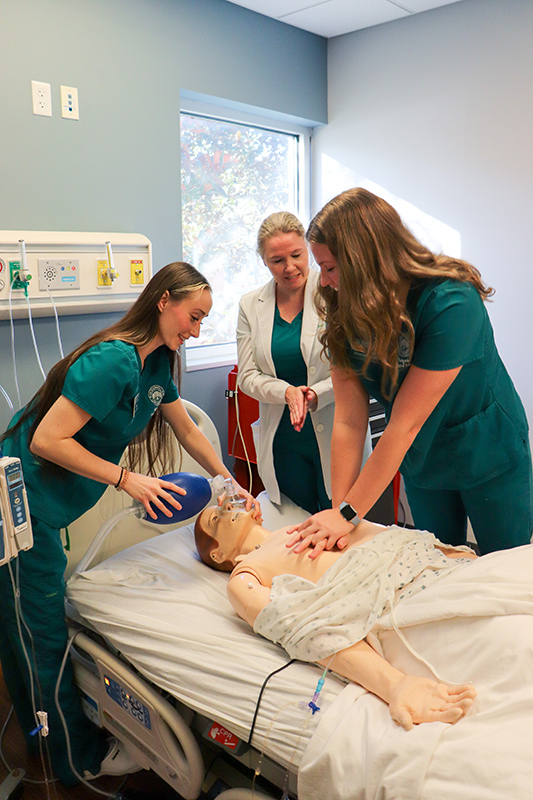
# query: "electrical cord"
261,692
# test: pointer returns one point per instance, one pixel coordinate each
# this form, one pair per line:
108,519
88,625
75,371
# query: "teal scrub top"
479,428
109,383
291,367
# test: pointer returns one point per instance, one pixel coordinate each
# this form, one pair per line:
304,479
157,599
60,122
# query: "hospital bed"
165,664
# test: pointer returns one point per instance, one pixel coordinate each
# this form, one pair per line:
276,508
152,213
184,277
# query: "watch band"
349,513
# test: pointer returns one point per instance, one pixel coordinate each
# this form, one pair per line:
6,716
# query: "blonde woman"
410,328
113,390
281,365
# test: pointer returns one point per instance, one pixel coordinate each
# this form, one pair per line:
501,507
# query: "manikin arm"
411,700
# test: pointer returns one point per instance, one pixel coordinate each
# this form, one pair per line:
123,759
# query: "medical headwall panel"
78,273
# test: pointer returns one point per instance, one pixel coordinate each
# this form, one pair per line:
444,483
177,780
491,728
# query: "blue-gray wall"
118,168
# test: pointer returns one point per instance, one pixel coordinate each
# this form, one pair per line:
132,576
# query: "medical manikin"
321,610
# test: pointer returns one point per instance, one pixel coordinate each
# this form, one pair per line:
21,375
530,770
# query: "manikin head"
222,534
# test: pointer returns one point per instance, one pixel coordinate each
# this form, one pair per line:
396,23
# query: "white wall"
438,109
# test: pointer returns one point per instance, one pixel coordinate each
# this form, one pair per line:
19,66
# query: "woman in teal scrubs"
410,328
116,389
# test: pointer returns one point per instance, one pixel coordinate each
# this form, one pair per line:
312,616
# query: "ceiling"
333,17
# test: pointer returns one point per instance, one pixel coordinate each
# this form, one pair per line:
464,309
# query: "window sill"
209,356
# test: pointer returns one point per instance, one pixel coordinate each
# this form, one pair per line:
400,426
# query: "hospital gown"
315,620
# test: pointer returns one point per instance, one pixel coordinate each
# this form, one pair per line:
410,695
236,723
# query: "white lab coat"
257,376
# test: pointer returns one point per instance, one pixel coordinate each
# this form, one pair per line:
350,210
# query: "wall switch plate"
69,102
41,95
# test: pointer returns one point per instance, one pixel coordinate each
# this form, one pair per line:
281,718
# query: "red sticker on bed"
223,736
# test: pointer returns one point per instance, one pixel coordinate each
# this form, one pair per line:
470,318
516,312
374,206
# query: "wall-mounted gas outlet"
41,95
14,281
136,272
104,278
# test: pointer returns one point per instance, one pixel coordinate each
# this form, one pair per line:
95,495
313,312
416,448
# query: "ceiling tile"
275,8
424,5
335,17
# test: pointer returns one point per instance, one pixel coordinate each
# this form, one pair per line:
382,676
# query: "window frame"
210,356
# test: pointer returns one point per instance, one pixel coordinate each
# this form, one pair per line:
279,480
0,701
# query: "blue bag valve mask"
199,493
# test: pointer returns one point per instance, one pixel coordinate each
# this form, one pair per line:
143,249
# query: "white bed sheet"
169,615
476,625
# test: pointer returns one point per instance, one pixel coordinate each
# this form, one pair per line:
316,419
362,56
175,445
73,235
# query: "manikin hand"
414,700
251,502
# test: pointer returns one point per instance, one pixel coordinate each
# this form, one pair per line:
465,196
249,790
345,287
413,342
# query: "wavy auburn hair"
154,447
377,258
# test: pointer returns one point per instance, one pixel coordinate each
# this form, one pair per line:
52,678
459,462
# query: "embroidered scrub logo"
404,351
156,394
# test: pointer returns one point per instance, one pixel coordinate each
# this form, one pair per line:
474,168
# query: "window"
233,174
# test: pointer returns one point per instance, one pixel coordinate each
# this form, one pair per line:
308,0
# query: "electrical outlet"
41,95
69,102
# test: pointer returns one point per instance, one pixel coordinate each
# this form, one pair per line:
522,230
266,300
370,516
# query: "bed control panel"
127,701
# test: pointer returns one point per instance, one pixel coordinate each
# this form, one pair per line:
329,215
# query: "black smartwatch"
349,513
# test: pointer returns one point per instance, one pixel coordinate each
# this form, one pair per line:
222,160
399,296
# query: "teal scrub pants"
42,592
500,510
298,467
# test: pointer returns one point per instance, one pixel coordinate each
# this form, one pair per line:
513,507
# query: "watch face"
348,512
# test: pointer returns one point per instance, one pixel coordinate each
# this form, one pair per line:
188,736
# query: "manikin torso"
272,557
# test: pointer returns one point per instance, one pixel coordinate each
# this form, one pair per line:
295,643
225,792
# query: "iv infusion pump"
15,525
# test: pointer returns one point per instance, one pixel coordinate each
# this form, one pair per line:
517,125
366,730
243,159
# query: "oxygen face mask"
232,502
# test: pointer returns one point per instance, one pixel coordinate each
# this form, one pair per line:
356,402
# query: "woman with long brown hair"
410,328
115,391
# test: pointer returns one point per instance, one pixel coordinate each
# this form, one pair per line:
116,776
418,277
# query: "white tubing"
7,398
34,340
86,561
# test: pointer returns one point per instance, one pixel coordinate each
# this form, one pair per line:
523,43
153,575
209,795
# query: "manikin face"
180,319
229,528
329,272
287,258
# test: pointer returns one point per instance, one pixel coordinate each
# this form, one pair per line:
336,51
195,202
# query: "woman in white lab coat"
281,365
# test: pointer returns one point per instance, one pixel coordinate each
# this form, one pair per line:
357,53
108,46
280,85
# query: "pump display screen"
14,477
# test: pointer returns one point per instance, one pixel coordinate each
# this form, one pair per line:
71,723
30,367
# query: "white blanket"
475,624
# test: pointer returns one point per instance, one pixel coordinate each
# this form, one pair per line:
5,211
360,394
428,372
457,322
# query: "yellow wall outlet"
137,271
103,273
